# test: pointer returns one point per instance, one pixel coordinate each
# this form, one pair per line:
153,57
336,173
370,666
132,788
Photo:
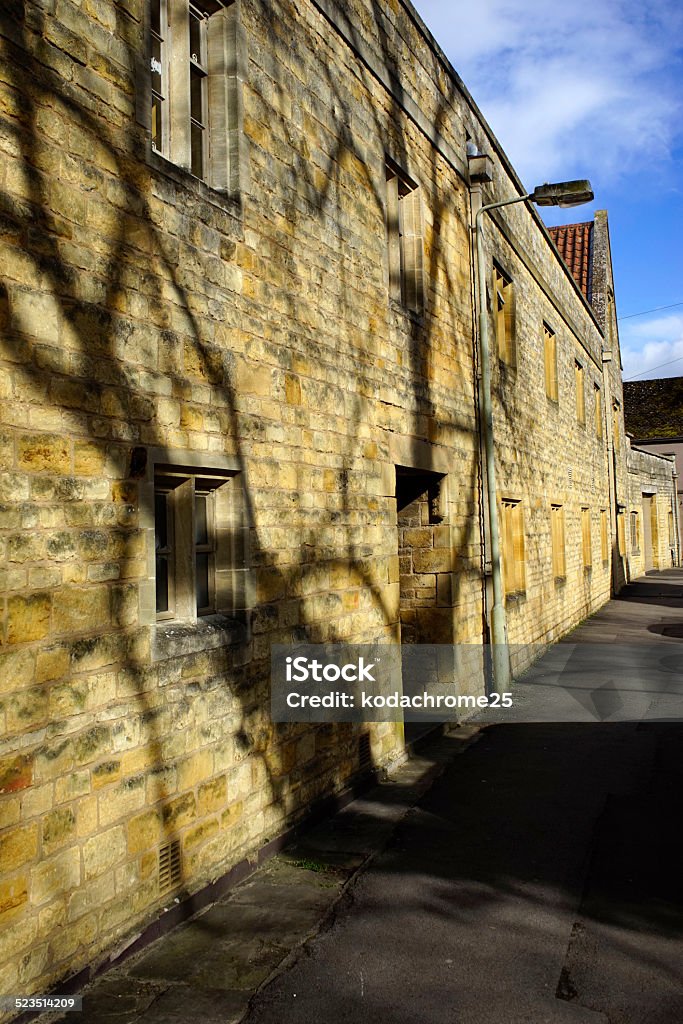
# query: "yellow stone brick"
40,452
200,833
55,876
292,389
86,816
77,609
28,618
212,795
144,831
17,669
103,851
89,458
58,827
16,773
18,847
129,796
10,811
106,773
28,710
13,896
52,663
195,769
72,786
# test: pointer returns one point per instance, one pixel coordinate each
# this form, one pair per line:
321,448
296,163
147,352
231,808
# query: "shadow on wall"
82,237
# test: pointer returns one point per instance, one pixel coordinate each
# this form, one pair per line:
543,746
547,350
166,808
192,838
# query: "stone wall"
148,320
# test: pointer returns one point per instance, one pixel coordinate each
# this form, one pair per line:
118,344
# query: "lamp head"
563,193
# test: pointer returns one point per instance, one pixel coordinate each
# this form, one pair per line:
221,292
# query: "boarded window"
586,544
580,392
513,547
550,358
558,541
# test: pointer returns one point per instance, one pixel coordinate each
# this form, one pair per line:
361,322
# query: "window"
621,532
586,545
604,536
195,81
513,545
550,356
405,235
504,310
635,533
199,544
598,411
580,393
558,541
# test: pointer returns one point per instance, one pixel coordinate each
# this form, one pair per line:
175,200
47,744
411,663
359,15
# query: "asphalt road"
538,881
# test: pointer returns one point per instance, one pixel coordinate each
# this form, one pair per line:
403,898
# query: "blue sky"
594,91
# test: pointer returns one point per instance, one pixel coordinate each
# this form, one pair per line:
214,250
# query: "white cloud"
652,347
569,90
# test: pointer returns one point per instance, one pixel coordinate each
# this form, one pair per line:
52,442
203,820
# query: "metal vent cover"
170,866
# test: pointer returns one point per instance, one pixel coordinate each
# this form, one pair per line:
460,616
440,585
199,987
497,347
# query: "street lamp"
562,194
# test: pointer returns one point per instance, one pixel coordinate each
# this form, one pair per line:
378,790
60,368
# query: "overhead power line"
646,311
677,360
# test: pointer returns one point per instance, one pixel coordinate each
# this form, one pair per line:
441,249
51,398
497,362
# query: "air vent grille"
170,871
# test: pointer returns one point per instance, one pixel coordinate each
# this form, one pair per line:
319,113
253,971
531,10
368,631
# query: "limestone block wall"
149,320
652,542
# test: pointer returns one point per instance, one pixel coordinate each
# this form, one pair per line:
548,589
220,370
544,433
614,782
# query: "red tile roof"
574,244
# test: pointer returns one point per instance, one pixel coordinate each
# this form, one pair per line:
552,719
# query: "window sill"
175,639
415,316
181,176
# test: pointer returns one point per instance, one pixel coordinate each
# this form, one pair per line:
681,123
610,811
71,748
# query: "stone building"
239,369
653,411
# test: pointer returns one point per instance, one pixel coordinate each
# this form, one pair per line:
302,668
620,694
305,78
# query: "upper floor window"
504,311
405,237
550,357
195,103
580,392
598,411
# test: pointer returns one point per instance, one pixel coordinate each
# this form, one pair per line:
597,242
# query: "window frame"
550,364
635,532
586,539
580,383
513,548
227,619
597,398
503,304
558,542
224,145
604,536
404,218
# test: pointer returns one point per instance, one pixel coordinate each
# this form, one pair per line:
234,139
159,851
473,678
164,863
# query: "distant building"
653,411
